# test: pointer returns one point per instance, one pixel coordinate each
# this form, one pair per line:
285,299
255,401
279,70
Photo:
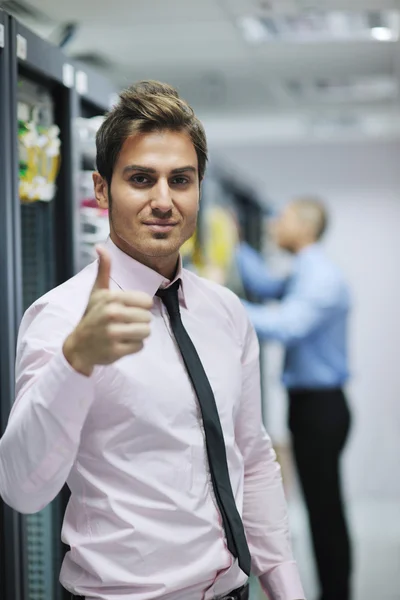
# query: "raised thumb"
104,270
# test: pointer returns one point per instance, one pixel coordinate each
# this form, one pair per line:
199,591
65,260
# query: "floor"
376,538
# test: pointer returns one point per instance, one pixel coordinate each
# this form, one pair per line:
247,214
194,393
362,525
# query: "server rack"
43,257
251,213
39,249
10,522
96,95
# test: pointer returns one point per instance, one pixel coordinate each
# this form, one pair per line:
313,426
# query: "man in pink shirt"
138,385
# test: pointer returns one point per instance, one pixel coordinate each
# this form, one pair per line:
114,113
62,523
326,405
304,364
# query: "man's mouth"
160,226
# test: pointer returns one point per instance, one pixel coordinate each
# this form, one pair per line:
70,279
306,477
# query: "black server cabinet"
38,240
10,522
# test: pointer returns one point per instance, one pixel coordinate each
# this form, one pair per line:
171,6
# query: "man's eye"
140,179
180,181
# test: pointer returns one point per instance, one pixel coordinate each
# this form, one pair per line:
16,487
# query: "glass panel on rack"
39,162
94,227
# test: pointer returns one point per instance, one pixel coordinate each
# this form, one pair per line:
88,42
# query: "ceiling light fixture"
253,30
382,34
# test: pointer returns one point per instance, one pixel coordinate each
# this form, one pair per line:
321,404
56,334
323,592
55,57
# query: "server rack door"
40,117
10,572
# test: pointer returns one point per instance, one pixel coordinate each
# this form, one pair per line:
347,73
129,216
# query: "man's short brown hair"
312,211
145,107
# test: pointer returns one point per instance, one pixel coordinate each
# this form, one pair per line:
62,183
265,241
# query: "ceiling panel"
350,4
133,12
197,43
215,91
248,7
368,57
244,94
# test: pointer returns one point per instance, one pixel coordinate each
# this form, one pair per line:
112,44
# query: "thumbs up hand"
114,324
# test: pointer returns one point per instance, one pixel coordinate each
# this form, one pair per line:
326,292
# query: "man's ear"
100,190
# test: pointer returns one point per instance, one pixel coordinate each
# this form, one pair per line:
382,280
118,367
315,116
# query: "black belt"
239,594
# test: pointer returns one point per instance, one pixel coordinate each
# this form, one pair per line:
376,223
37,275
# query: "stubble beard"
145,247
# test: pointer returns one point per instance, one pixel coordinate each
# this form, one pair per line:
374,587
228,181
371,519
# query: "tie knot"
169,296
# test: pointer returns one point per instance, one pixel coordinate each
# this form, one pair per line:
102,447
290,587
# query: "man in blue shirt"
311,321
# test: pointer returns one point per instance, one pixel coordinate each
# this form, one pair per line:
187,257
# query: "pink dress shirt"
142,521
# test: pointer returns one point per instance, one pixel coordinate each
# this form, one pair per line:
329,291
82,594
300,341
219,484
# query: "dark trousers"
319,421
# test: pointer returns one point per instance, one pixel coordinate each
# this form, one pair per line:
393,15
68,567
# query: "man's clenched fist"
114,324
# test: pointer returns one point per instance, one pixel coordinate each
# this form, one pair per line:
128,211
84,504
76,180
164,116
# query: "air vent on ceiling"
93,59
321,26
335,124
361,89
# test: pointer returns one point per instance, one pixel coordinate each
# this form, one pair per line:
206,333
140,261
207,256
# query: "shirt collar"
130,274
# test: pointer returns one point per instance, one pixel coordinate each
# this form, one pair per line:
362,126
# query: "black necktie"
215,444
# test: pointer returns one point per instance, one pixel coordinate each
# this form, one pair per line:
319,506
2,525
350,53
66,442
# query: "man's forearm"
255,275
42,438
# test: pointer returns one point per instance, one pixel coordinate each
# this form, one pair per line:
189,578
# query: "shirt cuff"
283,583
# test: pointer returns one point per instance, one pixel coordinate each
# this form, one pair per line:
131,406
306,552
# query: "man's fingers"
130,299
119,313
126,348
133,299
136,299
129,332
104,270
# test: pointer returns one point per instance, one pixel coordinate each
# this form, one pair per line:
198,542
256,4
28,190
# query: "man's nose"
162,196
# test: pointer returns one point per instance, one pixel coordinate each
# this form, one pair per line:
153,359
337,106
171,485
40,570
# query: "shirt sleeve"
255,275
264,510
314,299
42,437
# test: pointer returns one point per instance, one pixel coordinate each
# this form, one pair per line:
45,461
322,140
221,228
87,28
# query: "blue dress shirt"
311,319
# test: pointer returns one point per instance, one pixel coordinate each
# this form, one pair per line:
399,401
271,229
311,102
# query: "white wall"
361,185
